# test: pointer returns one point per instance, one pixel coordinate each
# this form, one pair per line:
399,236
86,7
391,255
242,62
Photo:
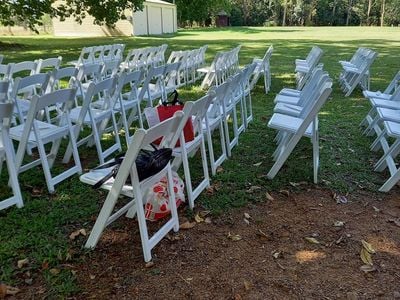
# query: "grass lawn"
40,231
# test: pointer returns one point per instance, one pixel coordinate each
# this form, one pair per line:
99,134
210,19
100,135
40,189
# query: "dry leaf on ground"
338,224
22,263
253,188
340,199
77,233
312,240
234,237
395,221
247,216
198,219
187,225
247,285
367,246
367,268
257,164
54,271
269,197
366,257
7,290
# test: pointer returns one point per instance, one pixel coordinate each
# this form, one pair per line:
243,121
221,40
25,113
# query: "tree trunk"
349,12
369,12
284,13
333,13
383,13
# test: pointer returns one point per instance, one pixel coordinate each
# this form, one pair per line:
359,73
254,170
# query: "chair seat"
95,176
388,114
385,103
98,115
286,99
48,132
288,123
190,146
290,92
377,95
288,109
392,128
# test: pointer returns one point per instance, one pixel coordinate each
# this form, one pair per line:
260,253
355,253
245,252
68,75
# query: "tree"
31,12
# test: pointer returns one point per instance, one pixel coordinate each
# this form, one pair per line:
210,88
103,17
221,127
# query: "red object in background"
166,112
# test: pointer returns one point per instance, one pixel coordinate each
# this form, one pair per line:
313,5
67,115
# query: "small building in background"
158,17
222,19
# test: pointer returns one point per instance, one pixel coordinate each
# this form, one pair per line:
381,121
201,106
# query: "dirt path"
258,252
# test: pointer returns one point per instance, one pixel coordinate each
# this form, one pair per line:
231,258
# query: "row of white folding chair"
100,54
224,65
296,116
383,120
305,67
379,99
144,58
357,72
263,68
1,58
7,155
190,61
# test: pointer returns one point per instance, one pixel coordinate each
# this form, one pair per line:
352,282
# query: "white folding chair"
306,124
85,57
4,91
214,120
7,154
246,93
195,112
128,104
24,89
96,117
88,73
48,64
136,191
1,58
153,87
305,67
171,73
36,133
262,68
4,72
117,51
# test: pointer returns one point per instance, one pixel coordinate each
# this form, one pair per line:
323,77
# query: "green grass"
40,230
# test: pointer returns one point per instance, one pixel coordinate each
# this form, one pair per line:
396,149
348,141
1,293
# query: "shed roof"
160,2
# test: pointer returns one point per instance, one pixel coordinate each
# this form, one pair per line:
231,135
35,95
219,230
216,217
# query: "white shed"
157,17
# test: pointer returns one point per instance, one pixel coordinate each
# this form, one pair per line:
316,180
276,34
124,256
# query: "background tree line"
291,12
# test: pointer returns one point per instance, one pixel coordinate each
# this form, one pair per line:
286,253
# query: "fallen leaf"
150,264
204,213
366,257
340,199
28,281
234,237
54,271
269,197
74,272
9,290
367,268
312,240
247,285
220,169
276,254
338,224
246,221
294,184
207,220
376,209
247,216
187,225
198,219
257,164
262,233
395,221
238,297
253,188
22,263
3,290
285,192
210,191
367,246
77,233
45,265
92,277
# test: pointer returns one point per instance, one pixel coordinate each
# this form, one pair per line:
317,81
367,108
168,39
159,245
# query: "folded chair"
128,104
24,89
96,117
214,120
37,133
246,91
136,191
305,67
293,128
7,154
262,68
